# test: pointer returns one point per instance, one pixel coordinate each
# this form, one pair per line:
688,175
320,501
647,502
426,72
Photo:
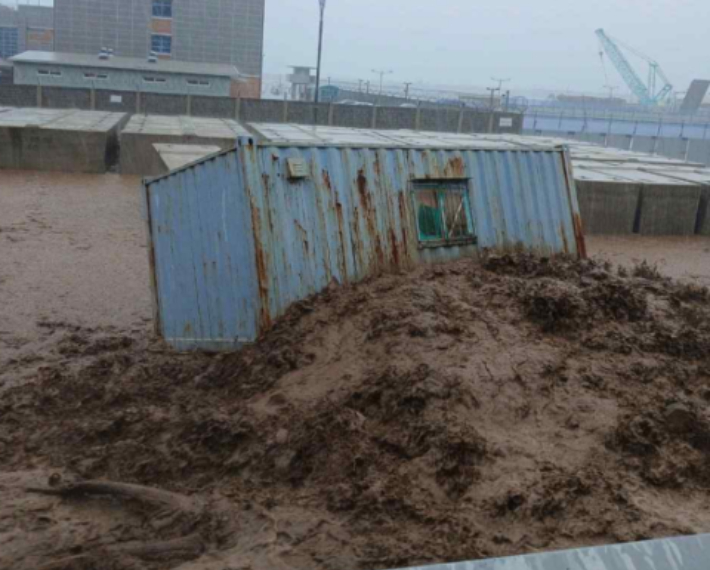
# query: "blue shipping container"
239,237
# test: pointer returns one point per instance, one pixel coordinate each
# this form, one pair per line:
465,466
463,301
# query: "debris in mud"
458,412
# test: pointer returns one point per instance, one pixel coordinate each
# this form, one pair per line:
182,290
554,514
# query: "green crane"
647,93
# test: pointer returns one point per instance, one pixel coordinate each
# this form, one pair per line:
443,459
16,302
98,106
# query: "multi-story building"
204,31
25,28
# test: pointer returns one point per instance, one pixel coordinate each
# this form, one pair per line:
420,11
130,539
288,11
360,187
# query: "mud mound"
461,411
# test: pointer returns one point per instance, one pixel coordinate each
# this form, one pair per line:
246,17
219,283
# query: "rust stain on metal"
304,237
357,245
261,270
378,171
341,237
455,168
380,253
579,234
395,248
403,220
563,235
362,190
326,180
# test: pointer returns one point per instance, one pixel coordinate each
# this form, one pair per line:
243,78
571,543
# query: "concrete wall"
441,119
622,142
669,210
120,80
699,151
56,149
608,208
702,226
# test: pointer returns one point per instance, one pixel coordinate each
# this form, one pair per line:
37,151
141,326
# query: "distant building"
303,84
204,31
128,74
25,28
6,72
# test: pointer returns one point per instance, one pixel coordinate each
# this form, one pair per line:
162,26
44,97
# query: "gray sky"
538,43
547,44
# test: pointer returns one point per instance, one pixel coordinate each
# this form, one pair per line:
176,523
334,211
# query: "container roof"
304,135
126,63
60,119
183,126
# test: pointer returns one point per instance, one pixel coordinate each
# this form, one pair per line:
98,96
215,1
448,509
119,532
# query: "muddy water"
72,249
678,257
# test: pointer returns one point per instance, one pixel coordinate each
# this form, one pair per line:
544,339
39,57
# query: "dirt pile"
458,412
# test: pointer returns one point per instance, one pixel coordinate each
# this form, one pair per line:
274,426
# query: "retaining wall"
668,210
608,208
56,149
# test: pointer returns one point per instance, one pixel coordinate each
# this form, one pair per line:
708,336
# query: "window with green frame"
443,212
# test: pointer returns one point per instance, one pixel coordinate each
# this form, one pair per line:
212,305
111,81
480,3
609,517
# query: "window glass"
443,213
9,42
162,8
161,44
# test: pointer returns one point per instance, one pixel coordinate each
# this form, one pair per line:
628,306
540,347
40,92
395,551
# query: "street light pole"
320,54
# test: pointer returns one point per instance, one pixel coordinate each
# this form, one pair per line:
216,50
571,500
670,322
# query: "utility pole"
320,53
493,93
367,86
494,89
500,82
406,89
382,73
359,85
611,89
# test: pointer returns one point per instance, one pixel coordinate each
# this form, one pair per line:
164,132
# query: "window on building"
50,72
93,76
9,42
443,213
198,82
150,79
162,8
161,44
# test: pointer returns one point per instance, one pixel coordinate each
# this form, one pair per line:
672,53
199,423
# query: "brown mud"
457,412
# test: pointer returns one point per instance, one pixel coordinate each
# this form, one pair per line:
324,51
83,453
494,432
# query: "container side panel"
205,268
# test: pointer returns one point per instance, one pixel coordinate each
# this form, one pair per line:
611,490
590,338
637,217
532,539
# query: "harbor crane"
652,93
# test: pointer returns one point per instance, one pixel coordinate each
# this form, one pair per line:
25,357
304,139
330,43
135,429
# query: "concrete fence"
425,118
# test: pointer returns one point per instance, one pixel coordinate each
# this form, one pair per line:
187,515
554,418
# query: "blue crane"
646,93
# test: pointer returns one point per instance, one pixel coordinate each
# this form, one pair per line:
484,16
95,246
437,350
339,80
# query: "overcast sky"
537,43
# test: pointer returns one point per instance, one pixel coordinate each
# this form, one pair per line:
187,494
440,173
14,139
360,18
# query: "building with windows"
201,31
25,28
126,74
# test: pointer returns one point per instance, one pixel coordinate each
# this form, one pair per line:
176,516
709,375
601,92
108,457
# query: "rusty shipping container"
237,238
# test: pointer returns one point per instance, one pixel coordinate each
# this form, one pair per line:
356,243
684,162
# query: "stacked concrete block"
56,140
608,208
669,210
138,153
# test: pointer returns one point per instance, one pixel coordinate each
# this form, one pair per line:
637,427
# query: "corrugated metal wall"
352,217
202,255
